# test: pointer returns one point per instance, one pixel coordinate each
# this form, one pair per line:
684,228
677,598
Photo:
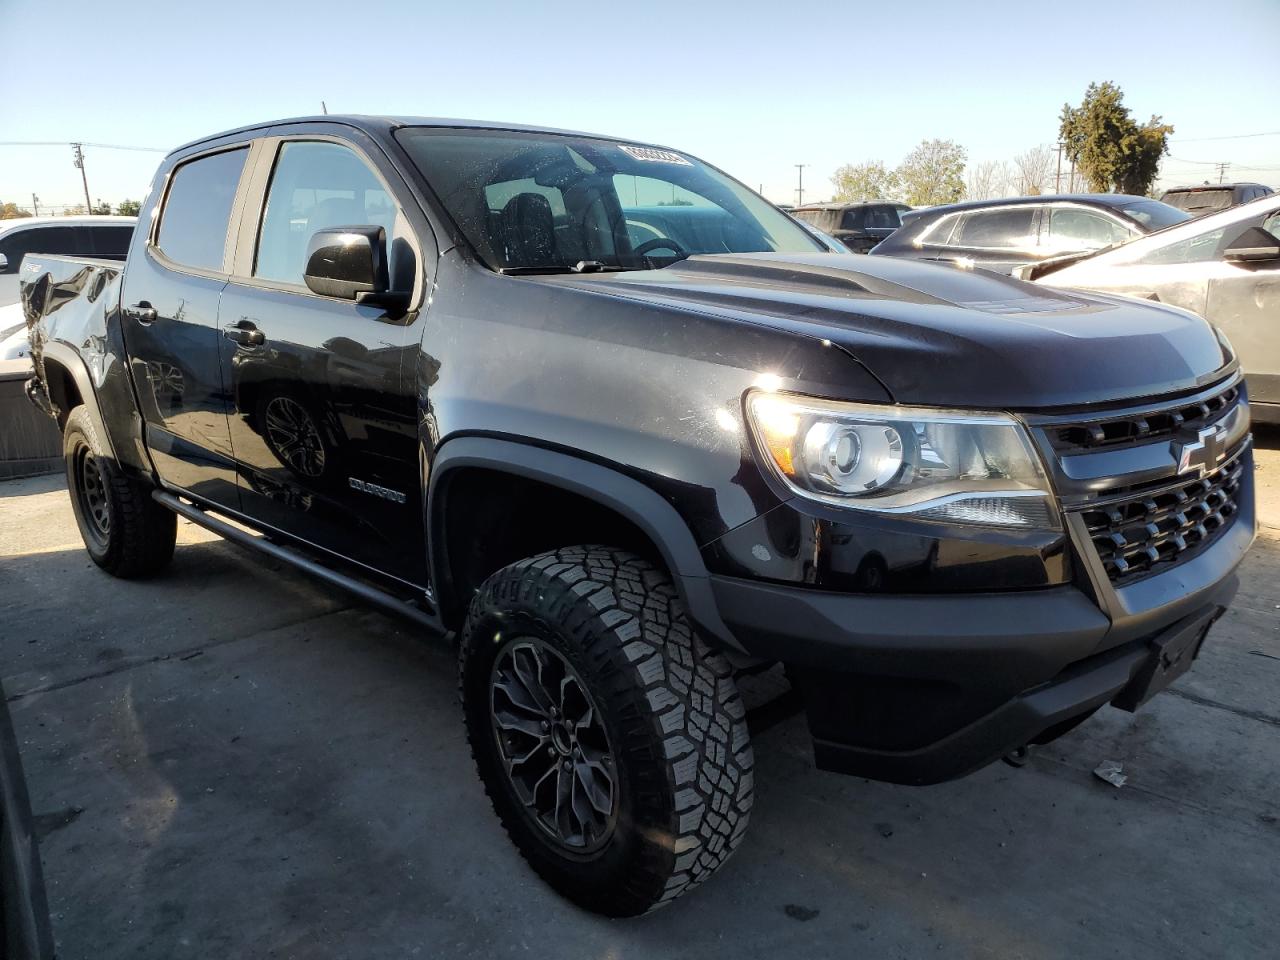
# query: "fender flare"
66,357
609,488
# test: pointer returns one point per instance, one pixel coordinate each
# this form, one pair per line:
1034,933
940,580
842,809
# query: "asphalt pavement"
235,761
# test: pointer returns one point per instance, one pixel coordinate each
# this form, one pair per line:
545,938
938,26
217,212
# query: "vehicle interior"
555,202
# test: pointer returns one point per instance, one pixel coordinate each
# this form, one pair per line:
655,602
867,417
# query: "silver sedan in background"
1225,267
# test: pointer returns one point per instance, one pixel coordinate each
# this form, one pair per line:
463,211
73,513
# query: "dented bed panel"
72,307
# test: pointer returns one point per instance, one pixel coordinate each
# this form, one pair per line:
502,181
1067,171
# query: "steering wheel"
657,243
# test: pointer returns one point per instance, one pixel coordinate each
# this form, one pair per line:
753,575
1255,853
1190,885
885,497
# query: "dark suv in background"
1212,197
1003,234
859,226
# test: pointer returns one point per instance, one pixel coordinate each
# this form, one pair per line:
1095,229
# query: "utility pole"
1057,183
1222,171
35,202
800,186
78,161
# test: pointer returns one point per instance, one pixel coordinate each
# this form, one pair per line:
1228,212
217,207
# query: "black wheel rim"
294,437
553,745
91,491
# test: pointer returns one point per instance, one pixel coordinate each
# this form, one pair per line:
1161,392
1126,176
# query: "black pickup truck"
629,432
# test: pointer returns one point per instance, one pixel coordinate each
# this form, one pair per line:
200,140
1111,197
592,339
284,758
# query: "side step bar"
369,594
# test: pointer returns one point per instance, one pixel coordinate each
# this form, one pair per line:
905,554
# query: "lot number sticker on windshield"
654,155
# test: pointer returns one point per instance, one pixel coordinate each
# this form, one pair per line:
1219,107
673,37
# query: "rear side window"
110,242
851,217
193,224
884,217
59,240
1010,228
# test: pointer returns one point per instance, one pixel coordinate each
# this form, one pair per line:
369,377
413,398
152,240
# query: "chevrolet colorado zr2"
630,432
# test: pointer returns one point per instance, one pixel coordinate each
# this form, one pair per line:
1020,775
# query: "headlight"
943,465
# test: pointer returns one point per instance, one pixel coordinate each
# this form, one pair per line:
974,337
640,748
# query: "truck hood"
943,335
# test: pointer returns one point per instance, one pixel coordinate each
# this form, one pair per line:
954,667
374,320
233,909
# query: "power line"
1237,136
83,143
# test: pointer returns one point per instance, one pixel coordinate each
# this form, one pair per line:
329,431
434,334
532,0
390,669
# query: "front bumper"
916,688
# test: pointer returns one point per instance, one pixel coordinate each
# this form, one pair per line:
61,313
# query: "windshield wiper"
582,266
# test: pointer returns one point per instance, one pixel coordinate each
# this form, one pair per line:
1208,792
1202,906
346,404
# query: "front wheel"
126,532
609,737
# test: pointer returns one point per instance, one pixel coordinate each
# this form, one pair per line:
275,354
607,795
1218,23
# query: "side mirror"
1253,246
347,261
4,263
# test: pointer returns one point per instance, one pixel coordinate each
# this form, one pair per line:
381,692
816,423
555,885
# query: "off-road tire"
675,723
138,536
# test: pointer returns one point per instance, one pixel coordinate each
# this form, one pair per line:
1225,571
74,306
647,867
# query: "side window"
1202,247
851,217
1008,228
1075,229
193,224
317,185
58,240
1272,224
882,217
110,242
942,232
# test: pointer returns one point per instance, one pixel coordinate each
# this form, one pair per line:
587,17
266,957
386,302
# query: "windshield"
1153,214
548,201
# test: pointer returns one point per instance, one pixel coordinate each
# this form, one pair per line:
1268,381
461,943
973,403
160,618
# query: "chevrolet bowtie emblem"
1203,453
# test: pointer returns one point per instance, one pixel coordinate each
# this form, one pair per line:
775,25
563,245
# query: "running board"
369,594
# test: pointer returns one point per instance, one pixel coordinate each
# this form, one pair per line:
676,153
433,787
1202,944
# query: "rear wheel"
609,737
126,532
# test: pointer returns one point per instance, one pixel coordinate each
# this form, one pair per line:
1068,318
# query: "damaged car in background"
631,432
1224,267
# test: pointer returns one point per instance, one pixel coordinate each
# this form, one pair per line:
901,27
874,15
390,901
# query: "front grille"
1148,531
1143,428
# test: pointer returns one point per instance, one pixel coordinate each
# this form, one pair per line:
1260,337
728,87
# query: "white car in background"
87,236
1225,267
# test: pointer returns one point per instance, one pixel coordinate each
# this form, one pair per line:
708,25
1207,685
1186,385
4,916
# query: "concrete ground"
234,761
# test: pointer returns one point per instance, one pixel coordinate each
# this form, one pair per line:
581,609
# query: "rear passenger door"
170,324
325,407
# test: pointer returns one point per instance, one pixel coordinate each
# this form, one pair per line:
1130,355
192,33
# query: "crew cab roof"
375,125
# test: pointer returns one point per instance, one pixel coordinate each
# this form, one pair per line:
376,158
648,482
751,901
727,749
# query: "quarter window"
317,186
193,226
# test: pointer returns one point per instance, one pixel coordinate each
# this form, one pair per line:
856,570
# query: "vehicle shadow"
232,760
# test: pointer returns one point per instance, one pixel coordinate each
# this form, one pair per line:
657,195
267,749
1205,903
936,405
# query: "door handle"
245,332
143,312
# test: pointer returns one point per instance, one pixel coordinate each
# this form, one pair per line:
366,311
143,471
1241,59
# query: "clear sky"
753,87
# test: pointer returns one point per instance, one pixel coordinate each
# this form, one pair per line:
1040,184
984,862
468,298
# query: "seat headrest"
528,230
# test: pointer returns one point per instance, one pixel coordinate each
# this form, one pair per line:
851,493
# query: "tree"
1108,145
1034,167
129,208
865,181
100,209
987,181
11,211
933,173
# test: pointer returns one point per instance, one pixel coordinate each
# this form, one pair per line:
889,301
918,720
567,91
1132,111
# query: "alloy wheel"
553,745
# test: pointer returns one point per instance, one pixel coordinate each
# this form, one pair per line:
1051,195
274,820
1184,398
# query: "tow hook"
1019,757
